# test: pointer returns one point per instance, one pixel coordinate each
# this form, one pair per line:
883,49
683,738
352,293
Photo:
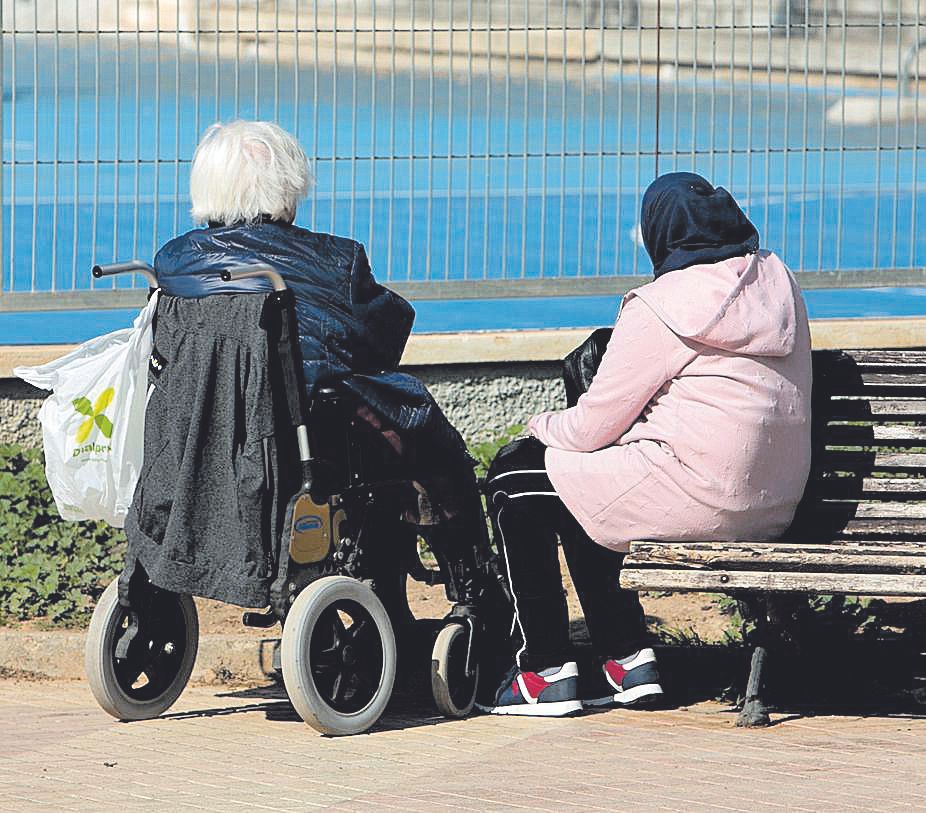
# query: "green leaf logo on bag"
95,417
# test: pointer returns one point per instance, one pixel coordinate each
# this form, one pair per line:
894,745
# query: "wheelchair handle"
130,267
257,270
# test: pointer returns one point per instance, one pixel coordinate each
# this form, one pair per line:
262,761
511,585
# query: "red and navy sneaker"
629,681
553,692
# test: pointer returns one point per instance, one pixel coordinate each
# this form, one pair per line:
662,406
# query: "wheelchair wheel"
159,660
338,655
454,691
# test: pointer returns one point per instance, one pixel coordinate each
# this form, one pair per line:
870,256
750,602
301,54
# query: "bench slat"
871,584
865,556
890,410
830,520
846,379
887,358
871,488
870,462
880,435
885,510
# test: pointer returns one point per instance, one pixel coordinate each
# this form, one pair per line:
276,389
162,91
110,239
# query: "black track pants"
528,517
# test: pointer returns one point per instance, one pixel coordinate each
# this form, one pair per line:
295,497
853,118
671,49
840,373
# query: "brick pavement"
230,750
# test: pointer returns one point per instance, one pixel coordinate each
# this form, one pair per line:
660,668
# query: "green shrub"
485,452
49,568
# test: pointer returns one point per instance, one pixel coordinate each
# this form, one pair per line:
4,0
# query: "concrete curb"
512,346
60,655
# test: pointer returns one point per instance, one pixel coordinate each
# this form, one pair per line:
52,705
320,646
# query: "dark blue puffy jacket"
350,327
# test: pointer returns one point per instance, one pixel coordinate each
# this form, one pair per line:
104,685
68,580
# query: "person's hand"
390,436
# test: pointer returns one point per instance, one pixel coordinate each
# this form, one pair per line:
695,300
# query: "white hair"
245,169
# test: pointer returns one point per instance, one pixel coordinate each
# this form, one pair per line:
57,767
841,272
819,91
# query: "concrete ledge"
434,349
60,655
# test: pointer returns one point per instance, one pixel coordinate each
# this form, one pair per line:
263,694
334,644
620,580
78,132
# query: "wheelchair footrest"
262,620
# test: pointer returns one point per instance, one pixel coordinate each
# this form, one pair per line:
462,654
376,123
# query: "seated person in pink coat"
696,426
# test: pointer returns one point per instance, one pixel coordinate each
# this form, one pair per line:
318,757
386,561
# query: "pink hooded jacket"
697,423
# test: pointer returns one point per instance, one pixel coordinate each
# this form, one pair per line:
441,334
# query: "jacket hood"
749,305
685,221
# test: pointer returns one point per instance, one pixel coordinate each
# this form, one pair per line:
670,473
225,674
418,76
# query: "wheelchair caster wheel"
454,691
158,661
338,656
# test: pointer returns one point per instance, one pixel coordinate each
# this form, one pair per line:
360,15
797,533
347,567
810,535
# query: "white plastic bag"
93,424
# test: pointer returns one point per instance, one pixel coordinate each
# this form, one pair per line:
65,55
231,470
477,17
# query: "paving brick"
244,750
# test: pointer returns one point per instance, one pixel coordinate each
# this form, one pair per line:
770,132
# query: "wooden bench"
861,526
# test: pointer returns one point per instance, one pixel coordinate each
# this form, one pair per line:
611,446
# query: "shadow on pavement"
832,675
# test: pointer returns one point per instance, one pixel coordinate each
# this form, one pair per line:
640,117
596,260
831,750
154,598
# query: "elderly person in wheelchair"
298,335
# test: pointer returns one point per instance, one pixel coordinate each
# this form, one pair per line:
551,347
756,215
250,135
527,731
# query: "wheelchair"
340,568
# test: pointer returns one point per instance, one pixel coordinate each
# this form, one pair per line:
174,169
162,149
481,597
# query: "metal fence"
477,148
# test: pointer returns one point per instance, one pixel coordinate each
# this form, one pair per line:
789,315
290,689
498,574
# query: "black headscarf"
686,221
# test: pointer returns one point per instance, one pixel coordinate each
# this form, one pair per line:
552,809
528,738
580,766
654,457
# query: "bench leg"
755,712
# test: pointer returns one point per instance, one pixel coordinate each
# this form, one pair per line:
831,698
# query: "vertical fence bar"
639,150
562,156
915,78
219,33
237,59
56,122
749,103
157,126
469,136
695,88
353,128
786,154
256,113
658,112
75,135
315,106
430,211
276,61
897,113
842,137
488,144
526,149
197,69
507,142
411,146
675,91
805,144
96,145
176,221
768,125
14,166
823,133
730,117
117,123
137,182
296,73
3,231
713,127
35,135
392,110
599,220
620,141
878,140
545,141
334,116
374,118
450,151
582,147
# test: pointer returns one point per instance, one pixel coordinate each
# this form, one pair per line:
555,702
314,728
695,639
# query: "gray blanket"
209,503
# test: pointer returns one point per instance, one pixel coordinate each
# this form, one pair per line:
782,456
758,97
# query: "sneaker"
629,681
553,692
